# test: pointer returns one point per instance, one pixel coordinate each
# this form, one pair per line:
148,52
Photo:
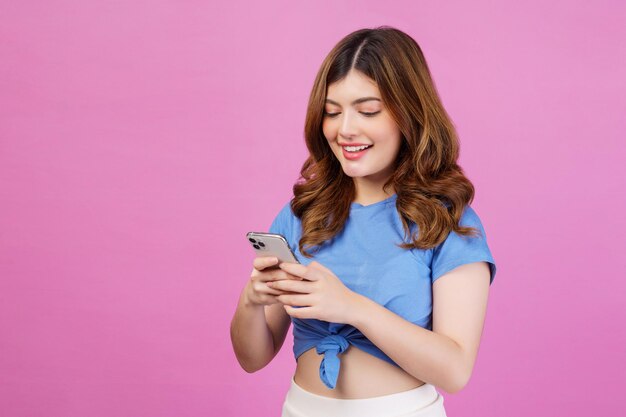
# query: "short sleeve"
280,224
458,250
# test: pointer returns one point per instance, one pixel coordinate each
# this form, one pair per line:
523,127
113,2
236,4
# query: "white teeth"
355,148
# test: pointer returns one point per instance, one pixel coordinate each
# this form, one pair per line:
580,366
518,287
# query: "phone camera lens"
251,240
256,247
261,244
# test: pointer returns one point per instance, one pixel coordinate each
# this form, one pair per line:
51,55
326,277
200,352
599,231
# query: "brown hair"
431,188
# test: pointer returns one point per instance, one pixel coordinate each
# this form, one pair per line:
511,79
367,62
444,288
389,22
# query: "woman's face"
354,114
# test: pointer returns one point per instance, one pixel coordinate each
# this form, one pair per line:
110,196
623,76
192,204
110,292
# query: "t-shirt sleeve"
458,250
281,223
285,224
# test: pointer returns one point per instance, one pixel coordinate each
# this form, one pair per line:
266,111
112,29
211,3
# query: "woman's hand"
317,292
263,272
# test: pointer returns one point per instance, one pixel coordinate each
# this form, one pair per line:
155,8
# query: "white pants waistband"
423,401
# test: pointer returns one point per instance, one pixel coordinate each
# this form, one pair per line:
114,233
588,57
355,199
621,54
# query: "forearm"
250,336
426,355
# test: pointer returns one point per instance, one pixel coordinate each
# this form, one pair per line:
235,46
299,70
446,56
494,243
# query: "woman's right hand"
257,291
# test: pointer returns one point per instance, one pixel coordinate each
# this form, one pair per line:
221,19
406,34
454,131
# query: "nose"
348,126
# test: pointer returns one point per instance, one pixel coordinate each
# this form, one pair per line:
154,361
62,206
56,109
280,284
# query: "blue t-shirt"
365,258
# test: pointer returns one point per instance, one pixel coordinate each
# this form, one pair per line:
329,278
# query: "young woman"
389,300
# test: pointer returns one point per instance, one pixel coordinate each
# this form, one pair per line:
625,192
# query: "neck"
369,192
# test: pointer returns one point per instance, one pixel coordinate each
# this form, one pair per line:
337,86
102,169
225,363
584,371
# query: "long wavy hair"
431,188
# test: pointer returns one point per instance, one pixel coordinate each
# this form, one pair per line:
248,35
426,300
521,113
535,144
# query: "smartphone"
271,244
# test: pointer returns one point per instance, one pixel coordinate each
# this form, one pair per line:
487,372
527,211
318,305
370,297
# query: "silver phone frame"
272,236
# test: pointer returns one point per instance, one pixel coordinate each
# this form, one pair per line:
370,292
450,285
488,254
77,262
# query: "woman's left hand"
321,295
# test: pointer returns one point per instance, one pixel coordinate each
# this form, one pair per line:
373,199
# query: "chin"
352,174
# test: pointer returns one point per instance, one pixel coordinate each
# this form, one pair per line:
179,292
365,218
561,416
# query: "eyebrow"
357,101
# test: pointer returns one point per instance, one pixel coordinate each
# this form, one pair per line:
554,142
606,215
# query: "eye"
366,114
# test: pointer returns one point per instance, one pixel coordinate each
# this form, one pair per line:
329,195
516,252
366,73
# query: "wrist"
246,301
357,308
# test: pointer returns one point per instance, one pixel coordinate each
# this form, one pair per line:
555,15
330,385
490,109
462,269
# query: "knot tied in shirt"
331,346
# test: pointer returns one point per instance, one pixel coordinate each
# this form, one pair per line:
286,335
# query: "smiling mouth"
356,149
354,155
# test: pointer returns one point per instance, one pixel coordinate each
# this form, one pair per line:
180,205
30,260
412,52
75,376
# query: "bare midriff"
361,375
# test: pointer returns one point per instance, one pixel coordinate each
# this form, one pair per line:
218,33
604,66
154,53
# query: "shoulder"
458,249
470,218
286,212
470,215
285,209
284,219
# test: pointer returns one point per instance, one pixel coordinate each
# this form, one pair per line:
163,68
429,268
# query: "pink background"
141,140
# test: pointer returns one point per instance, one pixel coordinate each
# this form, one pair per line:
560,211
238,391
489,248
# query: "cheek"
387,132
330,132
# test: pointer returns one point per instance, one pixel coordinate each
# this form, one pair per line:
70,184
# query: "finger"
263,262
299,300
300,270
269,290
299,313
291,286
264,289
276,275
289,277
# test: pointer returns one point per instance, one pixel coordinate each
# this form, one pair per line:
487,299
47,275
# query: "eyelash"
331,115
